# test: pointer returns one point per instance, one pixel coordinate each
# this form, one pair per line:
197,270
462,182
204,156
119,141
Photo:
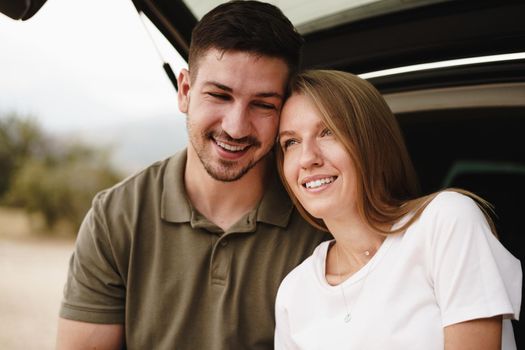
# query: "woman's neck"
355,244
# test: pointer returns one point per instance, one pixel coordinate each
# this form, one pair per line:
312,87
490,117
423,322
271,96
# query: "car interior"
464,122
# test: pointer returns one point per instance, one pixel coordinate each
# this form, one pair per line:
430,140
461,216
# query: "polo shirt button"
224,243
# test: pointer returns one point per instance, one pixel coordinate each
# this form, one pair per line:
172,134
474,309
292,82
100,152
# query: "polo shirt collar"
275,208
175,205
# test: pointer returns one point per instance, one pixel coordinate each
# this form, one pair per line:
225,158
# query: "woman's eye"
288,143
327,132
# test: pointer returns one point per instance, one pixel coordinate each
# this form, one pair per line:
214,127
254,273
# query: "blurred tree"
20,139
55,178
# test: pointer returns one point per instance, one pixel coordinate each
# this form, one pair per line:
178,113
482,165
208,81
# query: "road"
32,275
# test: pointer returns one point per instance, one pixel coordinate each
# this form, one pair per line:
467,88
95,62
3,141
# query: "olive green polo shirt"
146,258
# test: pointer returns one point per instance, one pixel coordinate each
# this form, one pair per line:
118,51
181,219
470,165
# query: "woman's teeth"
319,182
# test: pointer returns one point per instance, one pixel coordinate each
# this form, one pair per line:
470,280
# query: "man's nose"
311,155
236,122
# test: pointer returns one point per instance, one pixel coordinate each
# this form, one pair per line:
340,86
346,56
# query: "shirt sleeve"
95,290
474,276
282,339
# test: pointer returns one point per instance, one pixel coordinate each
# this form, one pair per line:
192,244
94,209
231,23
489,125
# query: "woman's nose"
311,155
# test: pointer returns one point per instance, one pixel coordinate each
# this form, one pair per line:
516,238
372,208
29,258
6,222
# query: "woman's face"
316,166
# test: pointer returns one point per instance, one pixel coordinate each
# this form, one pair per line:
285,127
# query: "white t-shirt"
445,268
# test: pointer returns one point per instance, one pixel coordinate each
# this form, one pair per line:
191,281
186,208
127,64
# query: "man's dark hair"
250,26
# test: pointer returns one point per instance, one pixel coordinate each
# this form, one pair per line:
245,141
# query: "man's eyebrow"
219,86
229,89
270,94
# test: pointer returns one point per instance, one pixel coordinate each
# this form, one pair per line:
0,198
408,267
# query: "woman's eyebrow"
286,133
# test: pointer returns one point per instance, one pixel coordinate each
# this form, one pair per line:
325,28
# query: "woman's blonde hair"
387,185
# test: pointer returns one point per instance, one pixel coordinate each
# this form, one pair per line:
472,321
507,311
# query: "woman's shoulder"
451,204
450,214
463,254
306,271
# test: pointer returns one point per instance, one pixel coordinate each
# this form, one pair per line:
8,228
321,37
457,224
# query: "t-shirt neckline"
356,277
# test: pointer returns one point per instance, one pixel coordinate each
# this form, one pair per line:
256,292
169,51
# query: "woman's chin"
318,213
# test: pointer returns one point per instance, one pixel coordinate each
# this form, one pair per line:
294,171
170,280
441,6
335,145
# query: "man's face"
233,106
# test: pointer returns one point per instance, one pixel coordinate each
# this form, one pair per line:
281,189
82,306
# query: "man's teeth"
230,147
319,182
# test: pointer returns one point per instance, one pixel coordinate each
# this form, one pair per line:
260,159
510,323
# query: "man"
189,253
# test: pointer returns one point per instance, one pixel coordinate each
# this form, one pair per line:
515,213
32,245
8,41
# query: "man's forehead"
217,56
241,69
219,53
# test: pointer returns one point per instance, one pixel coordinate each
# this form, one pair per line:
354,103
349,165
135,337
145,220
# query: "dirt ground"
33,270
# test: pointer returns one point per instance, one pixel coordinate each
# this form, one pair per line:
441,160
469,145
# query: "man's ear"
183,95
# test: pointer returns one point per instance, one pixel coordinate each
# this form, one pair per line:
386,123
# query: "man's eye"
222,97
264,105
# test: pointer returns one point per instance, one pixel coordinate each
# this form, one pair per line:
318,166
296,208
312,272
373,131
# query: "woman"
403,272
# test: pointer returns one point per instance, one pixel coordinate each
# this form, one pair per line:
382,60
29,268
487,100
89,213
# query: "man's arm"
480,334
94,294
81,335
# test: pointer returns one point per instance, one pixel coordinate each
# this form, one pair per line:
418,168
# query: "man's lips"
230,147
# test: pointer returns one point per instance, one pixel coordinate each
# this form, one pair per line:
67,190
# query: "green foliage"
47,176
20,139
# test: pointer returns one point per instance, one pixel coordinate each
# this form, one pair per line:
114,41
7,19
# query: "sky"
84,65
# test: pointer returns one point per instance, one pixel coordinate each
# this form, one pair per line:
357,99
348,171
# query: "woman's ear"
183,94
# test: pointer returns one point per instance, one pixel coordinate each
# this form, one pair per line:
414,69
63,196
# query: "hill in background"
137,144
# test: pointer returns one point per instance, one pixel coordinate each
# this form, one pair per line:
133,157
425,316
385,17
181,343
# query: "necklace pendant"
348,317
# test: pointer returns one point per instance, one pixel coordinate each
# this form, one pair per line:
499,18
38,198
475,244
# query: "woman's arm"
479,334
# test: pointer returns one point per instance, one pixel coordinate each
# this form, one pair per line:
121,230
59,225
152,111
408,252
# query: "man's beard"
228,173
225,170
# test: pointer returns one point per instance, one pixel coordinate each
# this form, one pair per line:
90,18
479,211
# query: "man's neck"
223,203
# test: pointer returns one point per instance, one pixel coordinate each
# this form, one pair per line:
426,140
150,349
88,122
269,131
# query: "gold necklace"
348,315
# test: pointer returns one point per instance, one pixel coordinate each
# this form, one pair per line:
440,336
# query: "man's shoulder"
144,183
